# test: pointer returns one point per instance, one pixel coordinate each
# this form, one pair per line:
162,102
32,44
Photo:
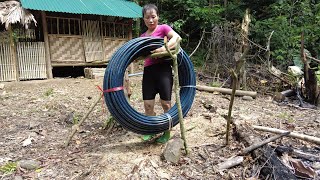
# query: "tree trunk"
310,78
245,33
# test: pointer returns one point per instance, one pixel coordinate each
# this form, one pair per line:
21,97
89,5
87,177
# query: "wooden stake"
234,75
176,86
77,126
234,86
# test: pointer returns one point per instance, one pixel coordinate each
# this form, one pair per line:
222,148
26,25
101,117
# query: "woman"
157,76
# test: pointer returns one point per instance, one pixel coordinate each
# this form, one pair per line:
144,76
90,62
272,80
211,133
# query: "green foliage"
108,122
215,84
8,168
288,19
318,74
188,16
198,59
49,92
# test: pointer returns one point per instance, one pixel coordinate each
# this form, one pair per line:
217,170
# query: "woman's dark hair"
149,7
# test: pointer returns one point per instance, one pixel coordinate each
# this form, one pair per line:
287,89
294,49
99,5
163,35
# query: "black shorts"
157,78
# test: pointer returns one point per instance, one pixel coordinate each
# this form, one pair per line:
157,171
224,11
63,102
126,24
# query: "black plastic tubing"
117,103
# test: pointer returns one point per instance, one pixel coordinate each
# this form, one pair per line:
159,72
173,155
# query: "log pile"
94,73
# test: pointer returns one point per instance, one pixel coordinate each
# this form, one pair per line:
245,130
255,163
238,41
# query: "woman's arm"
173,37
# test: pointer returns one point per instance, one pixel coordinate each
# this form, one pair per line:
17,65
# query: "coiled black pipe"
117,103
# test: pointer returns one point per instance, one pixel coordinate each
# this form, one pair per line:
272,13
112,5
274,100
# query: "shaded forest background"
212,35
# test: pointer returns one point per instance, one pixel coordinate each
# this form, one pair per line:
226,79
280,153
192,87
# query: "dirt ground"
43,111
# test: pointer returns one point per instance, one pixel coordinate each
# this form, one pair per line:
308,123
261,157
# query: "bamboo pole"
46,45
131,66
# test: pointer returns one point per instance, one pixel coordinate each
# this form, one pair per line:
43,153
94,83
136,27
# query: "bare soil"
44,111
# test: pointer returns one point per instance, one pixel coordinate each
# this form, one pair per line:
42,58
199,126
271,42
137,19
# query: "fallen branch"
77,126
231,162
264,142
227,91
203,32
291,134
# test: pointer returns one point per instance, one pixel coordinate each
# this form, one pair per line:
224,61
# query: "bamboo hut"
36,36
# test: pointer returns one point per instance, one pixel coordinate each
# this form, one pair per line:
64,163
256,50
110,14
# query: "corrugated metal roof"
120,8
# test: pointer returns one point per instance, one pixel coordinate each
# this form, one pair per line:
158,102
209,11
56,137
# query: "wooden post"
14,53
131,66
102,38
234,86
46,45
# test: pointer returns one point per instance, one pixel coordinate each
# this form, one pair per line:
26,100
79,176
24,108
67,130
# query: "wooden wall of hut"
7,64
85,40
30,56
74,40
31,59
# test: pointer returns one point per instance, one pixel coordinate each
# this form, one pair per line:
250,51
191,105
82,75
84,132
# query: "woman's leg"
149,107
166,105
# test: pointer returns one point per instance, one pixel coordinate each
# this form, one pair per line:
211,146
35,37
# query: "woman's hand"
161,49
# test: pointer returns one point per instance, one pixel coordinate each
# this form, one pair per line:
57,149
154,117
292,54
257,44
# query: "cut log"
292,134
94,73
227,91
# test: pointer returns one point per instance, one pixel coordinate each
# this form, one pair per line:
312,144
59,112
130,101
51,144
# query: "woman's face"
151,18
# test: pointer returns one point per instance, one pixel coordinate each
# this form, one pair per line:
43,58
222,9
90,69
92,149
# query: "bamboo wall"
75,41
66,49
111,45
7,66
31,60
92,41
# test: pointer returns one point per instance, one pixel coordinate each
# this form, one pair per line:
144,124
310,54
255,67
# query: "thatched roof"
11,12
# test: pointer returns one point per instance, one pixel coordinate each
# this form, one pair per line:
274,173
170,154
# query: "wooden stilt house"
67,33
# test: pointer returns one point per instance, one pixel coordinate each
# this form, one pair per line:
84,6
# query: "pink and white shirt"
160,32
